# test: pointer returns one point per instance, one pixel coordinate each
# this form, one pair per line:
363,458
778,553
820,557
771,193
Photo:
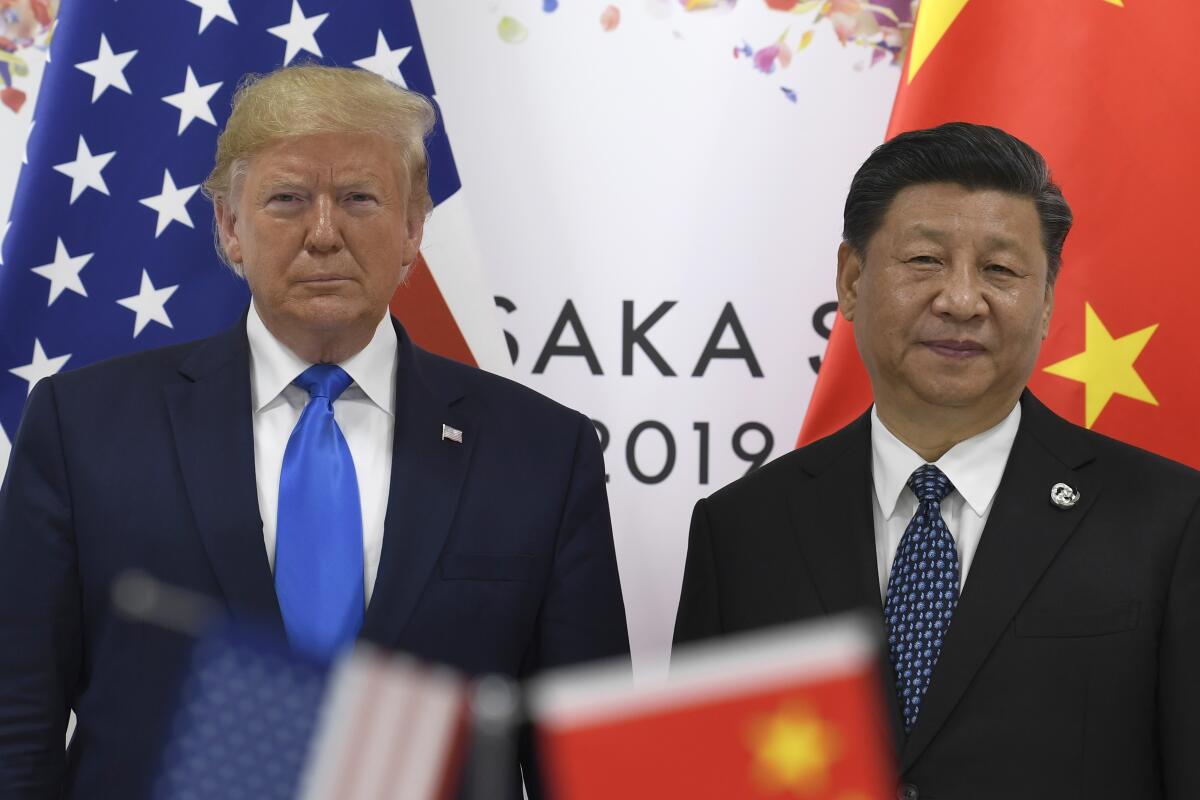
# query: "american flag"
110,245
257,721
390,728
246,721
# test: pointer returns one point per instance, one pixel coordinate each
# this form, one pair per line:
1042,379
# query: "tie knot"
929,484
324,380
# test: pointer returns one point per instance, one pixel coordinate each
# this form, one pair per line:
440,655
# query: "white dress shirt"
974,466
366,413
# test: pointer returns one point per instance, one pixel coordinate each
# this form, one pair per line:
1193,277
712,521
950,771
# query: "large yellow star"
933,20
793,750
1105,366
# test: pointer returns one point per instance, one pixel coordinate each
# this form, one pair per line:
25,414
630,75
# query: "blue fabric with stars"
102,257
922,592
248,712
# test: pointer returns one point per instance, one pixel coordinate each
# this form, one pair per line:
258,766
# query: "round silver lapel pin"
1063,496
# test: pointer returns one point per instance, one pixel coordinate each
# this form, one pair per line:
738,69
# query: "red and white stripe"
391,729
445,303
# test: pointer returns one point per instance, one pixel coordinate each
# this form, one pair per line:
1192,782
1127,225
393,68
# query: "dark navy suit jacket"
497,552
1072,666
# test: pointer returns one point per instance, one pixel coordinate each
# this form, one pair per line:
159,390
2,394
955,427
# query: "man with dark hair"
1039,584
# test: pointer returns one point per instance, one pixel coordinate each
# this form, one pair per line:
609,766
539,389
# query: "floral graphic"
610,18
512,30
884,26
707,5
881,27
23,24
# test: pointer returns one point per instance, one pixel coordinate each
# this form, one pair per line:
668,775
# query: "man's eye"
360,197
1000,269
284,197
924,260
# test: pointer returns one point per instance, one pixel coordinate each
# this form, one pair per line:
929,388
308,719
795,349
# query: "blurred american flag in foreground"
257,720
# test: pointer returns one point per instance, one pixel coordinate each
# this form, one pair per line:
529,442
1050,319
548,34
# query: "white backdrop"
648,169
649,165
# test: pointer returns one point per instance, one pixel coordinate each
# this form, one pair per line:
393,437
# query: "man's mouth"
955,348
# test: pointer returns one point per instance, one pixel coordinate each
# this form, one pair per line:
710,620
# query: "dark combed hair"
972,156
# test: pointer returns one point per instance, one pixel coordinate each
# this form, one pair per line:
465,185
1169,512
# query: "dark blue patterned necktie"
922,592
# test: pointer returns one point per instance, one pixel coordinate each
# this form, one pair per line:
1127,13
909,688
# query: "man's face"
322,230
950,303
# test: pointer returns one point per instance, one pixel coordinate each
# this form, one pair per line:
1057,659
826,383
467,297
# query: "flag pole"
143,598
494,712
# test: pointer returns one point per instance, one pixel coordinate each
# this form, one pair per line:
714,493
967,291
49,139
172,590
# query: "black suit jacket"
497,552
1072,666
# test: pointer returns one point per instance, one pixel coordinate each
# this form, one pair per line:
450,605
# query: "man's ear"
227,229
849,270
412,242
1047,309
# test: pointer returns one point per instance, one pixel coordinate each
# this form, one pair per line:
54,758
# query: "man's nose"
961,295
324,234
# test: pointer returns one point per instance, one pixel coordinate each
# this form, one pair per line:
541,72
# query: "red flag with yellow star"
1104,90
796,713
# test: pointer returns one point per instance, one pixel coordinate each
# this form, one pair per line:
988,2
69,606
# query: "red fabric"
420,306
708,749
1106,93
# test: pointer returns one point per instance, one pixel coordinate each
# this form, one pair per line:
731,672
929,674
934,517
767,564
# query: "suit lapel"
1024,532
427,476
837,536
211,421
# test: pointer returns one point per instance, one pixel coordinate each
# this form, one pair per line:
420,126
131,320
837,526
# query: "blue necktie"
318,549
922,592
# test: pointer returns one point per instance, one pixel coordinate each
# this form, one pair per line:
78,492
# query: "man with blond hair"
309,469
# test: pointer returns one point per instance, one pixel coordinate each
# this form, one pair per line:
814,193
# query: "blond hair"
311,99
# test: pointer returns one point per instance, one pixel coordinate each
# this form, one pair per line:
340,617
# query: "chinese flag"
794,714
1105,90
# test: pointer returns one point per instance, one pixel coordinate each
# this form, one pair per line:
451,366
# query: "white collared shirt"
366,413
974,466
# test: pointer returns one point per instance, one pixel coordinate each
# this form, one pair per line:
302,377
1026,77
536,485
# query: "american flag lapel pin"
451,434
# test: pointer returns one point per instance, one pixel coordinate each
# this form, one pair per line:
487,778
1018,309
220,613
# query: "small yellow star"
1105,366
793,749
934,19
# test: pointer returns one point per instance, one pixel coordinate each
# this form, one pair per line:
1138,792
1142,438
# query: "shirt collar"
273,366
975,466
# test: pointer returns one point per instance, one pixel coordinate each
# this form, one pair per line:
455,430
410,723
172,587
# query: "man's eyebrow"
359,178
924,231
994,241
998,241
285,177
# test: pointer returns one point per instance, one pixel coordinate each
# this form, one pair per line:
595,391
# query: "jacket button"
907,791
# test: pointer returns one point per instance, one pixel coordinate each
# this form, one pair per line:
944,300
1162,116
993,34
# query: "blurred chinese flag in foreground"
794,713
